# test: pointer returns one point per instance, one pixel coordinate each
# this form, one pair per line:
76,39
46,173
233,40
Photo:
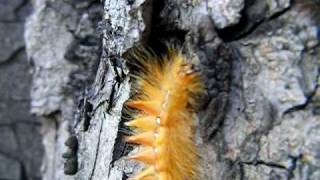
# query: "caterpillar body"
167,88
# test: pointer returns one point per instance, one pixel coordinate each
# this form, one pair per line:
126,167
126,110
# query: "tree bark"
20,140
259,61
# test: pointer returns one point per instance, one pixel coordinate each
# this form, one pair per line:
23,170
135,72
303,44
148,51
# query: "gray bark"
259,60
20,141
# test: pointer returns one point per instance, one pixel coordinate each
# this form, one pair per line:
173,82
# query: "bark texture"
20,141
259,60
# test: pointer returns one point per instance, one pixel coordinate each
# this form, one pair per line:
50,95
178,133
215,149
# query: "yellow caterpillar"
167,88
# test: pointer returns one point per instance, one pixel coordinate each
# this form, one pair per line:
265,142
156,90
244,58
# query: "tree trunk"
20,140
259,60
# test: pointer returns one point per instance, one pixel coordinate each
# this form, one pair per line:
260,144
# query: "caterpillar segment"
164,127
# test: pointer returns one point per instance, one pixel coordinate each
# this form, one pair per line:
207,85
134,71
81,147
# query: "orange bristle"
147,173
167,90
149,107
146,123
146,138
147,156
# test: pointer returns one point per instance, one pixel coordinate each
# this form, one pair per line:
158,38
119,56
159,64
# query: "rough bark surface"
64,48
20,141
259,60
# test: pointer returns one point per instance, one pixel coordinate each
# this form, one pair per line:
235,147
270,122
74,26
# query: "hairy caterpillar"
167,88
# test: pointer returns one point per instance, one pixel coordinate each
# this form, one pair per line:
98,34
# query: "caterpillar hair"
165,98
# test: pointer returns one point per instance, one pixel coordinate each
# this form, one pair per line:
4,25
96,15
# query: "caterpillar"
165,100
